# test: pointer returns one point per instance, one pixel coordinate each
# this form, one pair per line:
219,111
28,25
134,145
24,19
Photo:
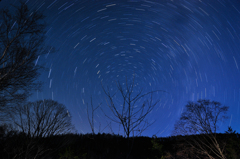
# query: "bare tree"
42,118
131,116
22,34
91,118
200,121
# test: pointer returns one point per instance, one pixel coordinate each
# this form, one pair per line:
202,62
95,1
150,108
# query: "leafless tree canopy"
131,116
42,118
22,36
202,119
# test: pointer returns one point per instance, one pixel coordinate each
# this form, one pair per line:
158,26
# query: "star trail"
188,48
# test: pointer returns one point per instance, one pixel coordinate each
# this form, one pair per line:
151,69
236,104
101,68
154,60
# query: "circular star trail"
187,48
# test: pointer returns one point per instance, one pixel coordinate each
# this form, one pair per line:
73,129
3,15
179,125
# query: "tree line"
22,42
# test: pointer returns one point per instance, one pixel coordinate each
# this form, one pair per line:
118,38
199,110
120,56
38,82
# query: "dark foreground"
107,146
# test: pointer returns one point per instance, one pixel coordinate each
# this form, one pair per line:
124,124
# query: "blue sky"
188,48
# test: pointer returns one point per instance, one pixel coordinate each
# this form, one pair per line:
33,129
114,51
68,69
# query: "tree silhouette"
130,116
201,120
22,34
91,117
42,118
232,143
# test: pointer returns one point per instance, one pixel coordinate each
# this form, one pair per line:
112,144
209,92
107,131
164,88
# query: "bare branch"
91,121
22,35
200,120
130,116
43,118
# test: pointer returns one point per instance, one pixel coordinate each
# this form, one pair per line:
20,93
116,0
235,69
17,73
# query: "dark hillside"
107,146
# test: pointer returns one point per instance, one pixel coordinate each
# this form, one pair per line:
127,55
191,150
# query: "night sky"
188,48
